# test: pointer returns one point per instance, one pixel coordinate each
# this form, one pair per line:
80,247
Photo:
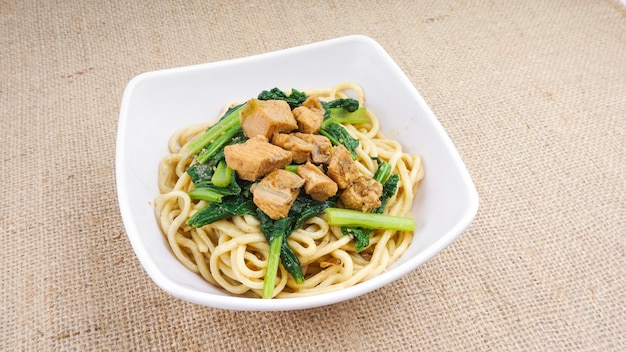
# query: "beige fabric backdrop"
533,94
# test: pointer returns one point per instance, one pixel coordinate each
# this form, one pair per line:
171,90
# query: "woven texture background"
533,94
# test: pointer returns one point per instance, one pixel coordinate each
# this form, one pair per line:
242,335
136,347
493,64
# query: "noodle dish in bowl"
288,180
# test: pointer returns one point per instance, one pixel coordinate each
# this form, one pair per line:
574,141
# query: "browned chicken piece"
266,117
314,104
342,169
321,147
276,192
308,120
363,194
299,148
255,158
316,184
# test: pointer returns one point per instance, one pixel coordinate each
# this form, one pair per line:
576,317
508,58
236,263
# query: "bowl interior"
156,104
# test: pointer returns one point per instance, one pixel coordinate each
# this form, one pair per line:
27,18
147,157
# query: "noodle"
232,254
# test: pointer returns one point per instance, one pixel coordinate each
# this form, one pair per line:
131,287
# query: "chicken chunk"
314,104
255,158
276,192
316,184
266,117
363,194
342,169
308,120
299,148
321,147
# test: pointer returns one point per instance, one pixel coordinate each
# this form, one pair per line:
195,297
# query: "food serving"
288,194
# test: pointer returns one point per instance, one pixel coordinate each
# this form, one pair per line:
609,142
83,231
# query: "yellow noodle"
232,254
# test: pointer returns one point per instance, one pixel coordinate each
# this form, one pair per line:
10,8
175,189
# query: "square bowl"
156,104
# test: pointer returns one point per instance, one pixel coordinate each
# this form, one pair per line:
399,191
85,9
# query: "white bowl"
156,104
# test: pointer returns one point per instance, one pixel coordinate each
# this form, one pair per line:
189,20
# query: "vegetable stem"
218,143
343,116
228,122
355,218
292,167
203,193
383,172
272,267
223,175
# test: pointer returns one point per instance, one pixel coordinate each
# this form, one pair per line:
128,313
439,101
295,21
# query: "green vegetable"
229,207
295,99
230,120
206,193
276,232
345,103
219,143
383,171
343,116
223,175
342,111
304,207
292,167
272,267
214,192
202,173
360,236
389,189
355,218
345,110
337,135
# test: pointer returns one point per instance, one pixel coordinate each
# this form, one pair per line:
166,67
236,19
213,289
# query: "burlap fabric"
533,94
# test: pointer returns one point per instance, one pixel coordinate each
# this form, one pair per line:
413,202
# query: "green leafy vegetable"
230,120
202,173
212,155
221,184
232,189
342,111
229,207
295,99
276,233
337,135
348,104
304,208
389,189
